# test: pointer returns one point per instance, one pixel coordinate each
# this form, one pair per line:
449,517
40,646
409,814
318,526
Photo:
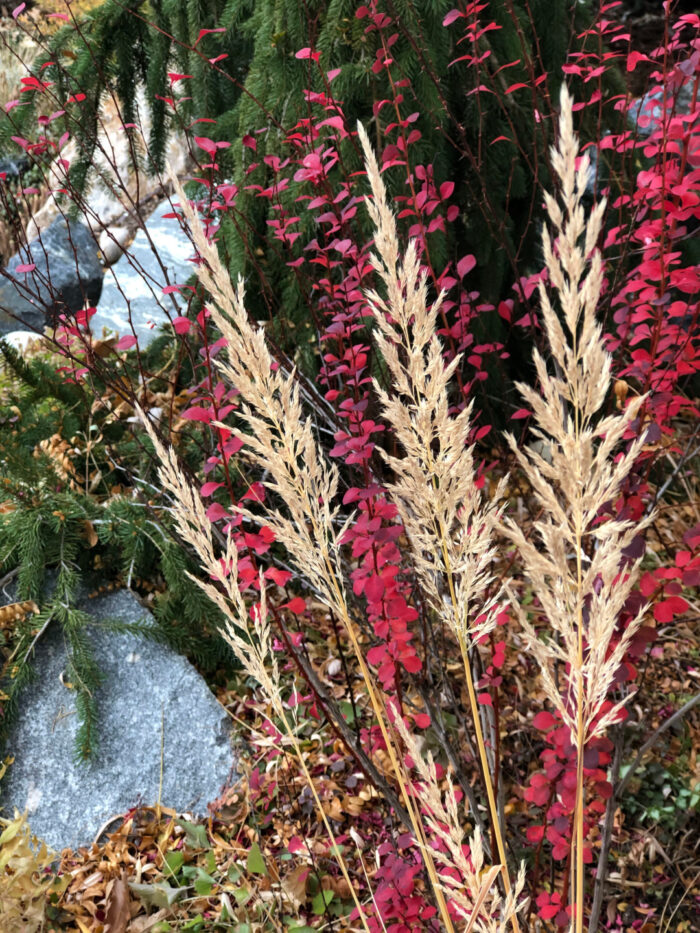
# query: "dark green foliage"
69,525
260,85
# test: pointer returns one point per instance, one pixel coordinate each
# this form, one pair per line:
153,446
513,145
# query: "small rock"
14,167
112,243
67,274
150,694
132,296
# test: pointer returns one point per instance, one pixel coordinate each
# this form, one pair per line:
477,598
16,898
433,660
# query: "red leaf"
296,605
28,267
485,699
451,17
535,834
668,608
208,145
197,413
17,10
280,577
634,58
465,265
520,413
422,720
256,492
216,511
205,32
374,588
544,721
308,53
413,664
208,488
182,325
126,342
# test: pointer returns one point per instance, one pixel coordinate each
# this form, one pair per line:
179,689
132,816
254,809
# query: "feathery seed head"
576,567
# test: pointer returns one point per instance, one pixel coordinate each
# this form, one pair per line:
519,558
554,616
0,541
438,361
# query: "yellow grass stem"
481,745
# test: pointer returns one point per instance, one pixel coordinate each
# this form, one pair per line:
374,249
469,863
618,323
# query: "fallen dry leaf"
117,915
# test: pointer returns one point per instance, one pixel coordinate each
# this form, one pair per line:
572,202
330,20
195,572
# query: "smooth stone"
132,294
112,243
148,692
68,275
117,189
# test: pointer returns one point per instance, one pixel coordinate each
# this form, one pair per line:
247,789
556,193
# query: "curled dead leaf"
118,913
294,885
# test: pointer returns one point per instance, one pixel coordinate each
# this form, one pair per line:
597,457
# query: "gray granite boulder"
14,166
646,113
145,685
132,296
67,275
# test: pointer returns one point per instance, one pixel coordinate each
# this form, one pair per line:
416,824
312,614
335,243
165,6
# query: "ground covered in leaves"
263,862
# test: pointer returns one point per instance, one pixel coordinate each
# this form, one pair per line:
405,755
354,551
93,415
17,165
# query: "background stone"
144,682
67,275
134,284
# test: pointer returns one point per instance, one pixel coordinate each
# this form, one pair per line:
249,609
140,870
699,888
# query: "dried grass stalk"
576,564
575,568
468,882
281,442
450,526
250,638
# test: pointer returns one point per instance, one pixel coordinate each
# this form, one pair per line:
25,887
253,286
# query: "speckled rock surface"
66,275
132,292
145,685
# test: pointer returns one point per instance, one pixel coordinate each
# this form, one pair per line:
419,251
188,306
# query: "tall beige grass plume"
449,524
575,562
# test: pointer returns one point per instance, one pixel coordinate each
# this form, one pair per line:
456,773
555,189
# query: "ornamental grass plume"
281,442
450,528
576,565
450,525
248,634
471,888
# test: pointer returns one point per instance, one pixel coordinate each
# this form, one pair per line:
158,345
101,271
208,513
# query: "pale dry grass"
450,526
574,567
280,441
575,564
